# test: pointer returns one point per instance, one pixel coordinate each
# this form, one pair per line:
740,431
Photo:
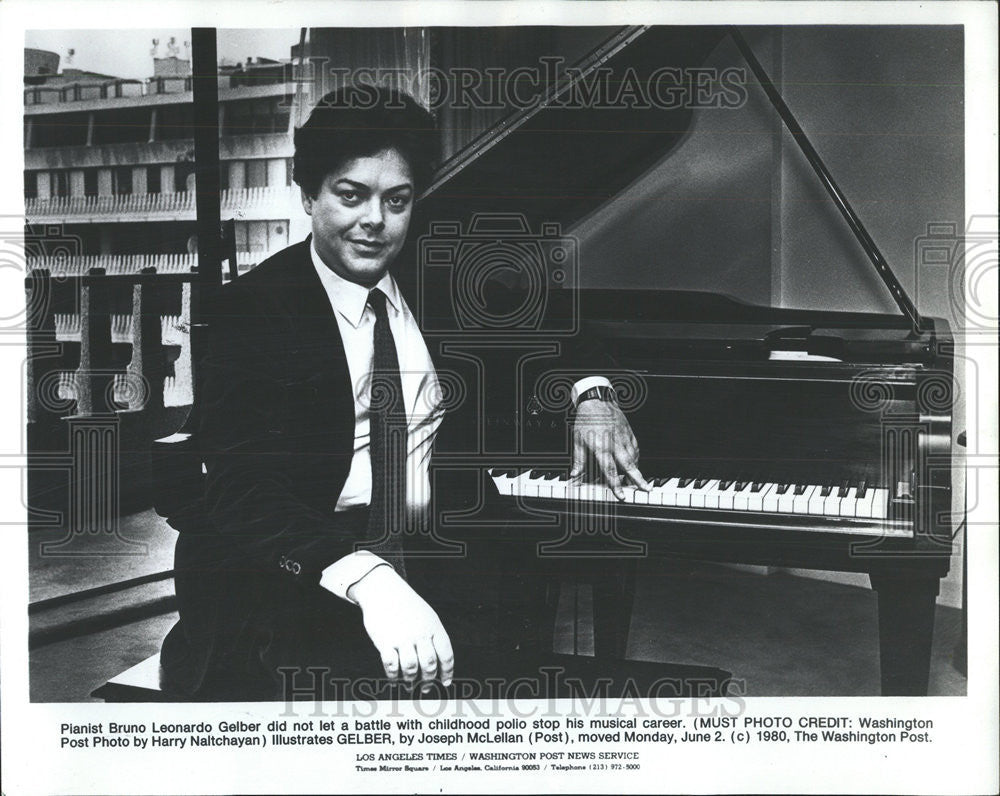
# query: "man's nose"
372,214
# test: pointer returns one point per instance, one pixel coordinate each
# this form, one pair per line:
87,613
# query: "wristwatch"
601,393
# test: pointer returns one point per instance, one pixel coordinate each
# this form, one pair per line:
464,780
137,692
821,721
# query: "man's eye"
398,201
349,196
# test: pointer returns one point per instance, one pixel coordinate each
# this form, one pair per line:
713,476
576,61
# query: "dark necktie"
387,423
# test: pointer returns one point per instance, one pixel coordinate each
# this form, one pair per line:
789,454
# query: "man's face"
361,214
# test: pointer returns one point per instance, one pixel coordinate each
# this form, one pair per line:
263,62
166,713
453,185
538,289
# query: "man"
318,395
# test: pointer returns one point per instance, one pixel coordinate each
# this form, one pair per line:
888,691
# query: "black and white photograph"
379,376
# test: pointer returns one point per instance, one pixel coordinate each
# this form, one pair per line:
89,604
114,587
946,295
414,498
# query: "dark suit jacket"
276,432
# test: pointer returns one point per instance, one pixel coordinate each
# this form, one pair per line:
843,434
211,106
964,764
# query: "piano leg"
613,587
905,630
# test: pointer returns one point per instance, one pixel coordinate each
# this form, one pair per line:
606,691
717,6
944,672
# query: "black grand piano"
792,438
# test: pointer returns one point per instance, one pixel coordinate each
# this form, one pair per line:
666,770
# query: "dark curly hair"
358,121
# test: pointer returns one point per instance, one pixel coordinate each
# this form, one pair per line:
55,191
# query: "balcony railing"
248,203
119,264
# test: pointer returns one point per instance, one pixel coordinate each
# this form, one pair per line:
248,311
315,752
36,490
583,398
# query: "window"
258,117
256,174
182,170
60,183
90,182
122,181
61,129
153,179
122,126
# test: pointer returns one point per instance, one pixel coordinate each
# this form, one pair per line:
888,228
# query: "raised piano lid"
555,164
552,164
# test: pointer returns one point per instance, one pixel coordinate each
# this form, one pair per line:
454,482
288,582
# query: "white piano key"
726,497
848,504
880,502
504,484
756,500
769,500
817,501
640,497
741,499
864,505
525,485
700,496
665,495
831,507
800,503
559,488
682,495
787,500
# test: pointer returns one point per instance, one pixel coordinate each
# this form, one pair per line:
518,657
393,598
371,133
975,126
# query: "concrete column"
76,182
139,180
237,175
276,168
90,129
29,128
167,179
152,126
104,182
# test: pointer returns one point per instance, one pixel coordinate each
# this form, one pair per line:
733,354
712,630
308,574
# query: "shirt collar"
349,298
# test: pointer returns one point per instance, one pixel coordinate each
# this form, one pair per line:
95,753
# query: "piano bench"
554,676
140,683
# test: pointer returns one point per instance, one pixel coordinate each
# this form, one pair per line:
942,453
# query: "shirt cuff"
585,384
345,572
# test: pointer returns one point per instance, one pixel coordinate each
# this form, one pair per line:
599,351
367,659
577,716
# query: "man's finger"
610,472
579,455
636,477
428,658
408,663
390,662
446,656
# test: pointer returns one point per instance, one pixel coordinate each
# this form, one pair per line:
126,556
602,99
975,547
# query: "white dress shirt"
421,398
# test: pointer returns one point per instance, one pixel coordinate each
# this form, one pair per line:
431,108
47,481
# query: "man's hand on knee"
405,630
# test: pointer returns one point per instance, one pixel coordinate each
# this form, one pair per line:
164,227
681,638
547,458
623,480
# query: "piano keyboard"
853,500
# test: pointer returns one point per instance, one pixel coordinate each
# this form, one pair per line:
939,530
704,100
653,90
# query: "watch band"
598,394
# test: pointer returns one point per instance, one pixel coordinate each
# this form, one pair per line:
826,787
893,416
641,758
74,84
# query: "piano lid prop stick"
902,300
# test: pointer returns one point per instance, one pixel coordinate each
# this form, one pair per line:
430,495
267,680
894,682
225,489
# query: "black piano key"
757,486
658,482
700,483
800,489
782,488
825,491
724,485
741,485
862,489
537,474
684,482
844,487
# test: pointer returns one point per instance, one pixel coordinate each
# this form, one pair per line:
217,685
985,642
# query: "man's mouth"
368,245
